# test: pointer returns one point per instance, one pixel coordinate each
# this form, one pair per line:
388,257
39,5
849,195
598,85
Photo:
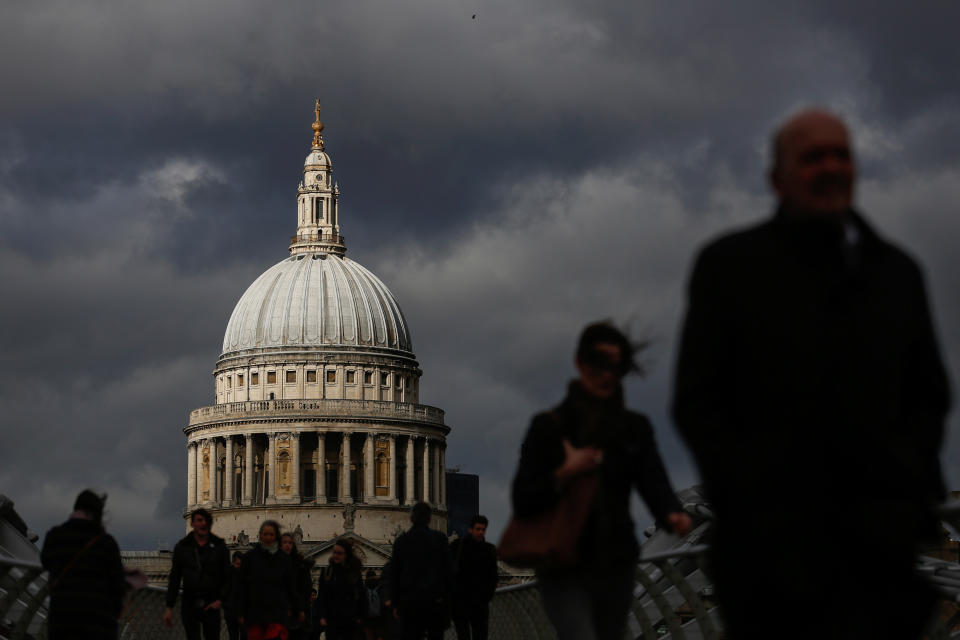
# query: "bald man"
811,391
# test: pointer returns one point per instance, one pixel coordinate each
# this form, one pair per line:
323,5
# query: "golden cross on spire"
317,127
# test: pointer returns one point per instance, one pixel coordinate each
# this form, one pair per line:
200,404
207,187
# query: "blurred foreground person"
592,432
420,578
86,574
266,595
201,561
811,391
340,597
474,580
303,582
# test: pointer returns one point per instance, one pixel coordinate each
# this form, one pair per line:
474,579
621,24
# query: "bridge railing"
673,598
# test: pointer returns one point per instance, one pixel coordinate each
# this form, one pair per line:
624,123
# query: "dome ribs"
328,301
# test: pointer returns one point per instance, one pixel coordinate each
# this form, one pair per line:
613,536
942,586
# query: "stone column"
443,477
321,469
213,470
271,461
248,472
228,474
199,471
295,461
409,489
392,478
436,473
369,484
191,474
426,471
346,495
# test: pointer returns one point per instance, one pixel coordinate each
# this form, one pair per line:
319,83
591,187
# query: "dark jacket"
420,568
809,373
203,570
630,460
88,581
474,573
303,581
341,593
267,591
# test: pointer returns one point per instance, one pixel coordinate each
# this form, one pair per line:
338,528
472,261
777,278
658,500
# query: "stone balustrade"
306,409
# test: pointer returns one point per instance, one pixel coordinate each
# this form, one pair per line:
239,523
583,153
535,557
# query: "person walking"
341,598
201,561
266,596
373,620
230,616
421,578
592,432
811,391
474,580
86,574
304,583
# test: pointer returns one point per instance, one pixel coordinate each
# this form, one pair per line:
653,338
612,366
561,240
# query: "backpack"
373,602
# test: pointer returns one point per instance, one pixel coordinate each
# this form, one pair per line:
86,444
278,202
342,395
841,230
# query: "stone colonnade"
206,468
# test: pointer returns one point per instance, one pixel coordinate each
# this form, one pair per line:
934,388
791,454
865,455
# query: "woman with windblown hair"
592,432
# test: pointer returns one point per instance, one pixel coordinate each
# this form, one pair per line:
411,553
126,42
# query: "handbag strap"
74,559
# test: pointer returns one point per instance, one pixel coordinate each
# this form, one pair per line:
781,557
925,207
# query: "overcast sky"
510,176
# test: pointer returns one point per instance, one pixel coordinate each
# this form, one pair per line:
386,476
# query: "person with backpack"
341,597
86,574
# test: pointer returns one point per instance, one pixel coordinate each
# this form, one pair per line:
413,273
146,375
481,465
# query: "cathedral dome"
316,300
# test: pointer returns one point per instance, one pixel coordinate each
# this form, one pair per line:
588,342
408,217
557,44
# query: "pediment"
371,554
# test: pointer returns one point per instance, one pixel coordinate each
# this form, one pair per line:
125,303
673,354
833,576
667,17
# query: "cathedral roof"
317,297
317,300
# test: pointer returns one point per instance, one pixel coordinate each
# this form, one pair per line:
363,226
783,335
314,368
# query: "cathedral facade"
316,421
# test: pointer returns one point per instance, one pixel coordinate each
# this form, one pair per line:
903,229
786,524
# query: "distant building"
463,501
317,422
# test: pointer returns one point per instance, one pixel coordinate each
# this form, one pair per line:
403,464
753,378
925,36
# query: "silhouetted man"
420,578
811,391
474,580
86,574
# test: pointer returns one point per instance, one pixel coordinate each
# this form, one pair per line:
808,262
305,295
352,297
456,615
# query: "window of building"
271,377
351,377
239,379
229,382
367,377
311,375
254,379
331,375
384,379
291,376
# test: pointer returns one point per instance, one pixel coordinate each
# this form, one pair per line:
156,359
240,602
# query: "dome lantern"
318,223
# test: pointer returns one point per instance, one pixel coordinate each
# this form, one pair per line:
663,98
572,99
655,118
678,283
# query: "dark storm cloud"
510,177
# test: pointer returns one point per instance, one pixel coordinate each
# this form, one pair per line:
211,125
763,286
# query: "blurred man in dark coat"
811,391
86,574
474,580
420,578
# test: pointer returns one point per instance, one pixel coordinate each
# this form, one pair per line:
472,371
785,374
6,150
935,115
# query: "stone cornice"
328,410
